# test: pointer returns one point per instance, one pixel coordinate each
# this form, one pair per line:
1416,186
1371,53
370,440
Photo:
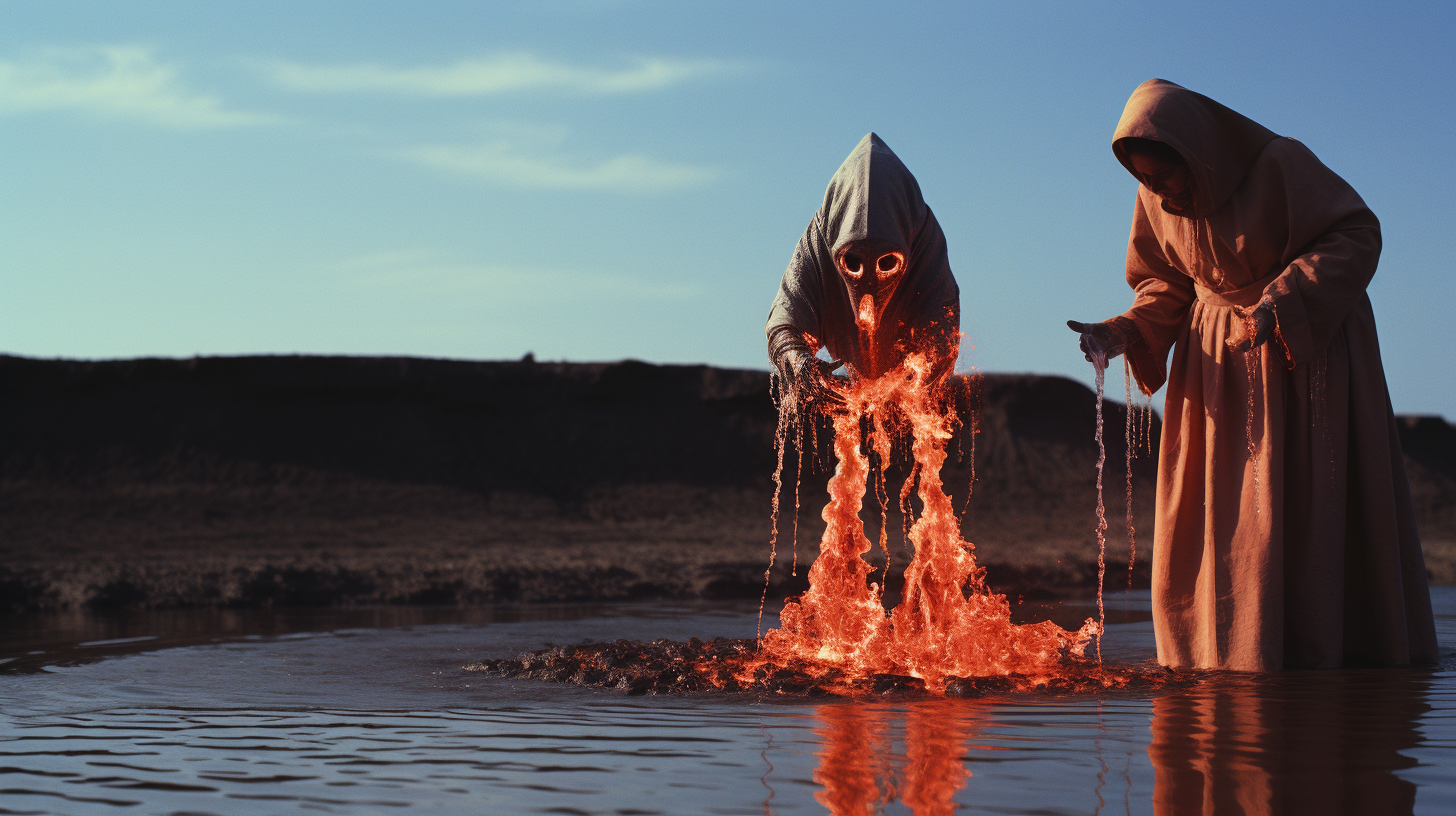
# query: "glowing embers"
736,665
948,623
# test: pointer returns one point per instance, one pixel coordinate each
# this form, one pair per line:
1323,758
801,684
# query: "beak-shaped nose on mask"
871,282
866,316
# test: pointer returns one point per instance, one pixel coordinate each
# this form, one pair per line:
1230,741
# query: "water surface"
370,712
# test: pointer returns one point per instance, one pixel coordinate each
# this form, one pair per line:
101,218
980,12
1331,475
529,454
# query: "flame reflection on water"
1340,742
861,770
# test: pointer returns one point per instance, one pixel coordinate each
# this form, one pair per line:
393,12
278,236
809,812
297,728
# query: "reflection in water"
376,720
860,771
1293,743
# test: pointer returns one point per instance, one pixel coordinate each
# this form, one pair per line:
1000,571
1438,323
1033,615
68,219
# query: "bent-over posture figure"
869,281
1288,539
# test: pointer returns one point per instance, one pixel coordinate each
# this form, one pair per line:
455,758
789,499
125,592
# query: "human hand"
1258,324
1105,337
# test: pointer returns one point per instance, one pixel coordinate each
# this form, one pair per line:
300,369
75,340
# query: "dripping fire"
948,623
948,635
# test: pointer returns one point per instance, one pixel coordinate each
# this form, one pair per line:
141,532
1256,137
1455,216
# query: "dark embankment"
257,481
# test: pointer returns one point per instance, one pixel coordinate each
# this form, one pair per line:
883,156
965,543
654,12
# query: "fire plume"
950,635
948,624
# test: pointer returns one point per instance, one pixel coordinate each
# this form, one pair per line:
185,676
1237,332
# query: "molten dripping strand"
798,478
787,414
1251,358
1130,446
1147,434
1099,364
1144,413
907,510
972,385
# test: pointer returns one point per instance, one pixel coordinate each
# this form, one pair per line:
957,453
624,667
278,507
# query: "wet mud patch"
736,665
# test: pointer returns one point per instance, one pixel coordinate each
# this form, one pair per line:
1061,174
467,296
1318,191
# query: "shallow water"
371,712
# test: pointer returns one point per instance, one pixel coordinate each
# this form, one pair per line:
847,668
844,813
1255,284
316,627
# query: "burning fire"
950,635
949,624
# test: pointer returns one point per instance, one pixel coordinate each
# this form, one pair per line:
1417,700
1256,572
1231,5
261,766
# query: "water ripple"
419,735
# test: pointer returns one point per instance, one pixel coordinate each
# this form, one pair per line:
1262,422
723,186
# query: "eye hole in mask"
853,265
889,265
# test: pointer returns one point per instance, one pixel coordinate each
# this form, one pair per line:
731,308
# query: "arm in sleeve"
793,320
1334,243
1162,296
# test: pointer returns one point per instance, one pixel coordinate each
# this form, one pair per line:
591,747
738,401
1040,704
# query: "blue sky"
594,180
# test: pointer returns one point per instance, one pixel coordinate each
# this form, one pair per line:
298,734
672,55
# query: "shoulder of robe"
805,260
1289,163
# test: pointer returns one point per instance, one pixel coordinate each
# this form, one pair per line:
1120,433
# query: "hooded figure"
869,280
1285,534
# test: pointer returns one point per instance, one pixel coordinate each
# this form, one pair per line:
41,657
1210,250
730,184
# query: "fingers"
814,391
1263,321
829,396
1263,326
830,366
825,390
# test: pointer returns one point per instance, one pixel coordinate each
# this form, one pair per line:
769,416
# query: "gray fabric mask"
870,279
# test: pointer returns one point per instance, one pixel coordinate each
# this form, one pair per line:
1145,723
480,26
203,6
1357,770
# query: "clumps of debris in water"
735,665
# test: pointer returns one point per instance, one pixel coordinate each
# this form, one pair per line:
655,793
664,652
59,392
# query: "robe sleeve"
1160,303
1333,245
795,313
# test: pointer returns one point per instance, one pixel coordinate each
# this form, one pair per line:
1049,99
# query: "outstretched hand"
816,381
813,385
1104,337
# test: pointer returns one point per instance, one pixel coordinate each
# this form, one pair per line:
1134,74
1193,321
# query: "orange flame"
949,624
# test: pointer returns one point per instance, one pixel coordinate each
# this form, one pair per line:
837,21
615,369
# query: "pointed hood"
872,198
1219,144
873,195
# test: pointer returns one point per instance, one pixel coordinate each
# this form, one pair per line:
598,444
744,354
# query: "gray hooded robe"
872,196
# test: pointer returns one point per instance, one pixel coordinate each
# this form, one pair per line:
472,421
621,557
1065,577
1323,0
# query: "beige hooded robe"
1285,534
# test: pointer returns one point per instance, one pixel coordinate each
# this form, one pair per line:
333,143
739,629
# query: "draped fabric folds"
1285,533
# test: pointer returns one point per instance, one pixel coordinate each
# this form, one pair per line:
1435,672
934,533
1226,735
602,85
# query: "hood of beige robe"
1218,144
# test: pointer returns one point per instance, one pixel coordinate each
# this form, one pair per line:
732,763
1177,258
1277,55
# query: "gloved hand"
1258,325
810,381
1112,337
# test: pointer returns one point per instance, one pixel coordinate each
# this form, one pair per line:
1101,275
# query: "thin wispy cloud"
497,74
115,82
423,274
507,163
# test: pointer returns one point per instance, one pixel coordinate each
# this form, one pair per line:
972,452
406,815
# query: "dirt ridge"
310,480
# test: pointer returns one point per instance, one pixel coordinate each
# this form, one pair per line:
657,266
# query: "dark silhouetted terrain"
254,481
